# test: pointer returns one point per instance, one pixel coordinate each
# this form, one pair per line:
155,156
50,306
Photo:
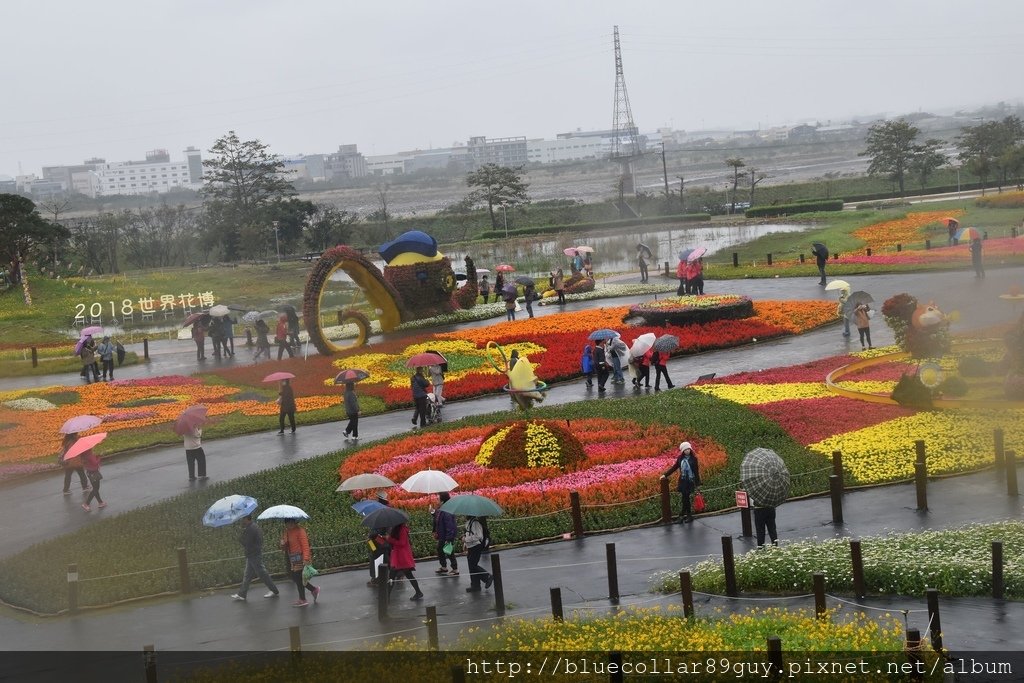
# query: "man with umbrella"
821,258
641,251
766,479
252,541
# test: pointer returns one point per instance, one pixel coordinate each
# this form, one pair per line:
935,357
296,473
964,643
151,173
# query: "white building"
156,174
386,164
567,149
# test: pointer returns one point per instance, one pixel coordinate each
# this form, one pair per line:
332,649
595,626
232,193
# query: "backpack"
486,543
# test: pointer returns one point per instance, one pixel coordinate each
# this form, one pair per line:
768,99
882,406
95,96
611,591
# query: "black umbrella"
384,517
525,281
288,308
856,299
644,247
819,248
509,290
666,343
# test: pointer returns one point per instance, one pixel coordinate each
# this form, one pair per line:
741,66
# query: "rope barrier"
497,520
779,597
550,566
117,576
878,609
625,502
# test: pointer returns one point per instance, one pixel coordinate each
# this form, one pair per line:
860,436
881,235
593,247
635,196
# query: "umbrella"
194,317
482,270
819,248
384,517
666,343
604,333
84,444
644,247
837,284
288,308
429,481
569,251
251,317
80,423
219,311
968,234
524,281
351,375
765,477
81,343
584,249
283,512
685,254
696,254
444,365
278,376
509,289
365,507
91,330
190,418
856,299
268,314
642,344
421,360
229,510
365,481
505,268
472,505
950,219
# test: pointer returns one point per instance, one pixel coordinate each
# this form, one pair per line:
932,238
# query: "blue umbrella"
685,254
229,510
598,335
365,507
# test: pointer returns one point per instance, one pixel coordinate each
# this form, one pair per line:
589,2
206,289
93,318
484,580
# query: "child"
587,365
863,322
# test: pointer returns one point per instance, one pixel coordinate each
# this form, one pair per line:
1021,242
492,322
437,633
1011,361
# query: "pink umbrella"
80,423
422,360
81,343
569,251
89,331
278,376
505,268
192,417
696,254
84,444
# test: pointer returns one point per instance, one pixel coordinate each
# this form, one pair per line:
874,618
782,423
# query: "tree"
497,185
328,226
890,145
382,214
736,163
755,178
24,234
161,236
242,179
988,148
292,216
925,160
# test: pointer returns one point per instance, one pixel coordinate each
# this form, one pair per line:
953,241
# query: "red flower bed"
812,419
807,372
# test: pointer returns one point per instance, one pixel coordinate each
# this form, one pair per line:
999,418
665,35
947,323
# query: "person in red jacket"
91,463
695,277
295,544
402,562
281,337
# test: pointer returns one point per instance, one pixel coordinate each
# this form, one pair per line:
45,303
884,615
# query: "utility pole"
664,173
682,204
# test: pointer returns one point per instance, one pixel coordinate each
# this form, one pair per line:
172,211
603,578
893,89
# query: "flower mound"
531,444
692,310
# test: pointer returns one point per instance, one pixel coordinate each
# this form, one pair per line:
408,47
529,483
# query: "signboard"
741,499
166,303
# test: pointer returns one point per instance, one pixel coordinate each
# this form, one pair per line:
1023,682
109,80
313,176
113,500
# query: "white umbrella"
229,510
837,284
642,344
365,481
429,481
219,311
283,512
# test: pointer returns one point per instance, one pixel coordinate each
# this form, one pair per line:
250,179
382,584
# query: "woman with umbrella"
419,385
485,288
295,544
262,339
821,258
695,271
499,285
689,478
72,465
189,425
529,292
87,352
402,562
473,541
862,320
766,480
352,412
286,401
663,348
509,294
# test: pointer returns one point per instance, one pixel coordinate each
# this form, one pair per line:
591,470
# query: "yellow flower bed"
542,446
753,394
486,452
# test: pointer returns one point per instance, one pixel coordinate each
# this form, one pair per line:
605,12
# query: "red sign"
741,499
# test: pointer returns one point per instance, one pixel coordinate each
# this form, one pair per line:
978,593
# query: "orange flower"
903,230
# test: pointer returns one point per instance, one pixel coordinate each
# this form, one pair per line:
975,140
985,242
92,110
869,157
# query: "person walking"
587,365
844,296
106,352
252,542
619,353
378,550
588,265
91,463
473,542
89,364
601,364
979,268
643,366
485,288
351,402
286,399
294,327
682,289
295,544
72,465
217,337
689,478
194,453
510,307
445,529
437,381
821,258
262,340
281,337
862,319
764,518
199,337
695,276
659,360
559,284
642,262
229,335
419,385
499,284
402,562
530,294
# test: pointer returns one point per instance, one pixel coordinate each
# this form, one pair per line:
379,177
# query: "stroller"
433,408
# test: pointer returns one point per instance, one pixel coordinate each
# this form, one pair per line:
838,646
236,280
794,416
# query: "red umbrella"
194,317
422,360
351,375
278,376
192,417
84,444
505,268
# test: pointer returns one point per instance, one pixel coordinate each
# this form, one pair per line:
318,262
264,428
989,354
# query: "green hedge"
799,207
597,225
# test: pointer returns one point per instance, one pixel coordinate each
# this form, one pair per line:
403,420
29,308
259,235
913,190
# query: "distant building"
571,149
387,164
97,178
346,163
500,151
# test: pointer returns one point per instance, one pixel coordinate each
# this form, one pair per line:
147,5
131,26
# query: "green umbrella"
472,505
765,477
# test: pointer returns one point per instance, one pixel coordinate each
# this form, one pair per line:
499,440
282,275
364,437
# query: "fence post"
818,580
857,560
775,654
927,244
577,514
294,640
149,662
835,489
801,258
666,502
748,529
730,567
997,570
921,476
35,358
869,251
666,269
73,588
458,674
145,348
686,588
183,578
997,438
383,584
499,589
899,247
615,664
913,649
837,468
432,639
935,626
556,604
613,573
1011,473
735,260
769,258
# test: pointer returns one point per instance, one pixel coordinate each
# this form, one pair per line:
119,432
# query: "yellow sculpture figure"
523,385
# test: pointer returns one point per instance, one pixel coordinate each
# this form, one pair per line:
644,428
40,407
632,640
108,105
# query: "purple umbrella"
89,331
81,343
80,423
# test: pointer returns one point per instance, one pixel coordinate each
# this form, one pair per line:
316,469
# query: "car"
312,255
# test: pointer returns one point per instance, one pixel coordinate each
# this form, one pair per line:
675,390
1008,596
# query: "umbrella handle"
490,357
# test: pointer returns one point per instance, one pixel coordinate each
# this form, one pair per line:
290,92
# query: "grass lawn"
53,366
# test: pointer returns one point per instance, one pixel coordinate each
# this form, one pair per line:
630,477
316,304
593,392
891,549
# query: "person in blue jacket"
445,530
587,364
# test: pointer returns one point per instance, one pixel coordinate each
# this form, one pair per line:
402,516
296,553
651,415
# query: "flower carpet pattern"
877,440
623,462
904,230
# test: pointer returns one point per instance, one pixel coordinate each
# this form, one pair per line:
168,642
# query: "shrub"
693,309
1006,200
799,207
973,366
953,386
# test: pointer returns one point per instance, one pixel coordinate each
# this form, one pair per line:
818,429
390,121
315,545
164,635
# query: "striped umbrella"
765,477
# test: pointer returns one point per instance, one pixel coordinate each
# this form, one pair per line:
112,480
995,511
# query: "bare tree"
382,212
736,163
755,178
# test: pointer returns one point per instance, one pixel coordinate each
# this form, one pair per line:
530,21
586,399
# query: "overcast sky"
115,78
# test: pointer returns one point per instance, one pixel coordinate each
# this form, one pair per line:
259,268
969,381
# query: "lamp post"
504,217
277,242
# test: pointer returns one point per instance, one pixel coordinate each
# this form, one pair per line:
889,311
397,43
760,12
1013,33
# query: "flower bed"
902,230
692,310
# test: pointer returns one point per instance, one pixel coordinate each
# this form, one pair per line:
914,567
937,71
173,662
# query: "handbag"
308,572
447,548
698,502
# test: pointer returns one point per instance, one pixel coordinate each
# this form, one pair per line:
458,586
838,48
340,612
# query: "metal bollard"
1000,448
899,247
818,580
613,573
837,468
913,649
499,588
775,653
294,640
769,258
183,578
869,251
577,514
145,348
729,564
927,244
433,642
149,662
383,584
857,560
921,485
735,260
835,489
686,588
801,258
556,604
615,666
35,358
